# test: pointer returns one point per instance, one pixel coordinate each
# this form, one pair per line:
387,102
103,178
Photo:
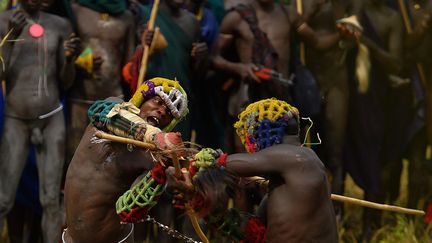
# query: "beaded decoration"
134,204
171,93
204,159
262,124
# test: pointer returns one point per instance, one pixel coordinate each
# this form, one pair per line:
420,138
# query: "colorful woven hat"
171,93
263,123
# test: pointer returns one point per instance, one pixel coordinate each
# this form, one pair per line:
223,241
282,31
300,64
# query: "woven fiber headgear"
263,123
171,93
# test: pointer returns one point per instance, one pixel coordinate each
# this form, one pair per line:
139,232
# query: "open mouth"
154,121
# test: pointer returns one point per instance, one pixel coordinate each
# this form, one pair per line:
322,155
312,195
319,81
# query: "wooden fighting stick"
192,216
178,173
359,202
146,52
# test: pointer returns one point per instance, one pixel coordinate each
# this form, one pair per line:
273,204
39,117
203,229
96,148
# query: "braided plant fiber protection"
262,123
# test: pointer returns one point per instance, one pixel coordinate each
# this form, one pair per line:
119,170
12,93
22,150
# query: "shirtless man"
329,68
36,68
108,30
297,207
418,43
235,28
101,171
262,42
377,133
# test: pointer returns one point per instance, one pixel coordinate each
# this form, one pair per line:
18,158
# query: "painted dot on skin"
36,31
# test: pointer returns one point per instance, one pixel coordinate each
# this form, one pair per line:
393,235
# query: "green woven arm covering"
99,110
134,204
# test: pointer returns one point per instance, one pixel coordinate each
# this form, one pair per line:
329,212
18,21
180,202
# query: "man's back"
299,208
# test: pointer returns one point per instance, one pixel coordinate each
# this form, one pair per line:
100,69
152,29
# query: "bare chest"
101,26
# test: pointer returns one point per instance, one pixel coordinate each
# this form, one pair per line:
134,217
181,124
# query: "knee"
50,203
6,204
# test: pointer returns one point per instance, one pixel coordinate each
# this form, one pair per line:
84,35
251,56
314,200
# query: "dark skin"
199,53
111,40
38,76
330,71
99,174
298,206
416,43
234,28
388,26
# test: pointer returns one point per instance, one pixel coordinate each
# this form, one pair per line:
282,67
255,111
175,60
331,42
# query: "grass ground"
397,227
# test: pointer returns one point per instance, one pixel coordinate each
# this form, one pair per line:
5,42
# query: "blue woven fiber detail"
269,133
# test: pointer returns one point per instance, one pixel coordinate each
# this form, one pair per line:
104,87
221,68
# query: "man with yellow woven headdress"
297,207
102,170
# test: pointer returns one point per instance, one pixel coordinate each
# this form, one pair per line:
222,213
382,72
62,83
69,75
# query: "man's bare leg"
50,159
14,150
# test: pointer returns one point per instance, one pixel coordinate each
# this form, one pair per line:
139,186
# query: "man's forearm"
68,73
389,62
220,63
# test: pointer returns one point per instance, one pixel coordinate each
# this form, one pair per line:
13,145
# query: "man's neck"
375,4
265,6
34,15
291,139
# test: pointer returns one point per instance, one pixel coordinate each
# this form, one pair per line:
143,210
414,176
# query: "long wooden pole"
146,52
359,202
378,206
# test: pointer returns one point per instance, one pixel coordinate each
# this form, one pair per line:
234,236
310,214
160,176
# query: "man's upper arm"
227,30
229,23
396,36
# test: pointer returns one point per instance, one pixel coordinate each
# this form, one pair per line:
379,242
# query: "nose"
162,110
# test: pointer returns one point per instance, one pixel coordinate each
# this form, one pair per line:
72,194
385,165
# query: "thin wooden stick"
358,202
146,52
378,206
118,139
191,213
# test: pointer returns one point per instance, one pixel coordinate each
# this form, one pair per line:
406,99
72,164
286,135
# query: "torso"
278,34
98,175
107,36
32,78
422,51
299,208
329,66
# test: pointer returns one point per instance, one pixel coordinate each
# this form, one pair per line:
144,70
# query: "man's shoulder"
55,19
6,15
